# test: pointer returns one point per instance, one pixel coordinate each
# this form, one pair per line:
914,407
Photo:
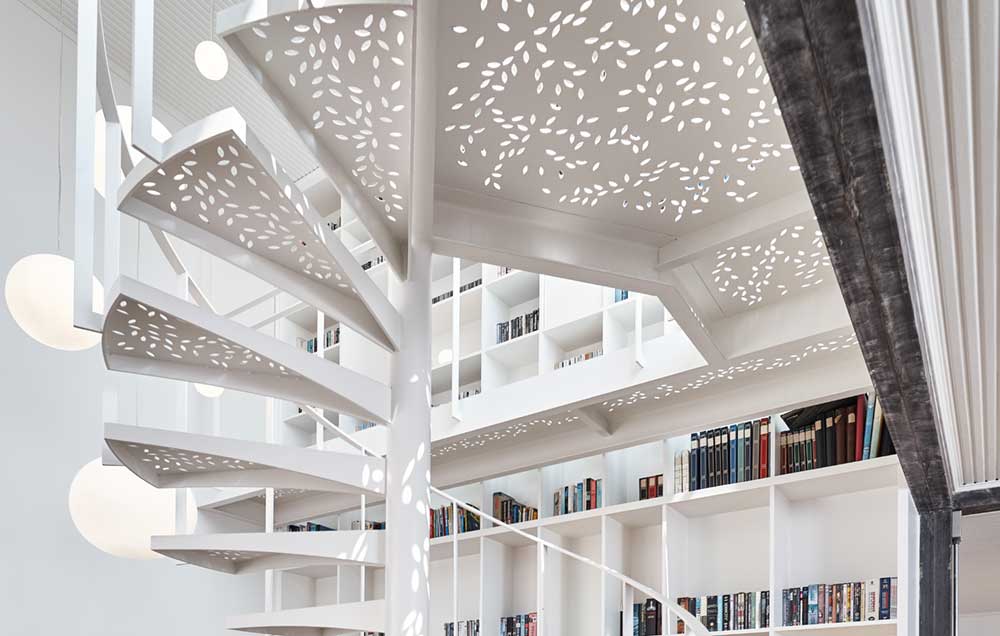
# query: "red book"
651,488
765,448
593,494
860,414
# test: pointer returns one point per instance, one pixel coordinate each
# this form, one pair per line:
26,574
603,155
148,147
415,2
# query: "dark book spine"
840,432
884,598
725,456
831,442
820,444
693,480
703,459
850,433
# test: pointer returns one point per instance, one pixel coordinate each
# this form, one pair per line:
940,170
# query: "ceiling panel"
762,268
652,114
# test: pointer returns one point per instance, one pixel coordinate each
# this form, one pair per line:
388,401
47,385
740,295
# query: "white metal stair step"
150,332
324,620
243,553
342,76
174,459
219,188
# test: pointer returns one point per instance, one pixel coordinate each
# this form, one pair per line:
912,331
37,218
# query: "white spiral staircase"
340,72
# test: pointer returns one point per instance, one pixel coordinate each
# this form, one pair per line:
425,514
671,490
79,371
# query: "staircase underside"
220,189
342,76
315,553
149,332
173,459
325,620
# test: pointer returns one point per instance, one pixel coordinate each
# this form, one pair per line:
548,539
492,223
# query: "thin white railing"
693,624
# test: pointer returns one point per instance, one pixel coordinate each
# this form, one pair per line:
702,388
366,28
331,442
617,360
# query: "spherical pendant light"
211,60
208,390
117,512
39,295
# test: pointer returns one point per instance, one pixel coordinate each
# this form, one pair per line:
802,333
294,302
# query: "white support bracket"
594,418
456,355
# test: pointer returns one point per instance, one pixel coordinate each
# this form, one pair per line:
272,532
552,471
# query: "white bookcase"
846,523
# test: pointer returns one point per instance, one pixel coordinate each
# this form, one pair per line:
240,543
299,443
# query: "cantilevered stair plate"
149,332
243,553
174,459
341,74
222,190
324,620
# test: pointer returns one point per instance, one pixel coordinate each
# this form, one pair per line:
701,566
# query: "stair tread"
310,553
222,190
173,459
343,76
367,616
150,332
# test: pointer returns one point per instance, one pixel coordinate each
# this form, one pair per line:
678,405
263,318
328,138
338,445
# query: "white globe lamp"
211,60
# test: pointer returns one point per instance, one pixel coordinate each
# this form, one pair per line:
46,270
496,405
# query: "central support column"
408,463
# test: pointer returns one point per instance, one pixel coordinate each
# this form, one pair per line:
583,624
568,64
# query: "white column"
408,462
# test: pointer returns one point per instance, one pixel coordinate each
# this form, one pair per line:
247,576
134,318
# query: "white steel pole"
408,463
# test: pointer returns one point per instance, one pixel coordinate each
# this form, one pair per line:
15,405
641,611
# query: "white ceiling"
653,114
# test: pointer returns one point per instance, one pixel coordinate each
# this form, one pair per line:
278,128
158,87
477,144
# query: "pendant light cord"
59,136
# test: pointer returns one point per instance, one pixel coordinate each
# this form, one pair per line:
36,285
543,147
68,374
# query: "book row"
726,455
585,495
367,525
443,521
517,327
871,600
464,288
620,295
509,510
519,625
464,628
308,527
651,487
330,337
742,610
843,434
646,618
580,357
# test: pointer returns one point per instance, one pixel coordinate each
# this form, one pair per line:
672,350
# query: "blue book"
740,454
869,420
732,454
599,489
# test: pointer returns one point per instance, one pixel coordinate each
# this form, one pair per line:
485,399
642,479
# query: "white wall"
979,624
53,581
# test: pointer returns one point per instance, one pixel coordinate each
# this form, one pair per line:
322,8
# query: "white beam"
143,13
788,210
540,246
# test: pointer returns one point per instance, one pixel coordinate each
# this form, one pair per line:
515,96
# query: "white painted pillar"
409,440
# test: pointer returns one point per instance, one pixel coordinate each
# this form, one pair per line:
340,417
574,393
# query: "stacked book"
743,610
519,625
585,495
367,525
651,487
375,261
645,618
516,327
465,628
442,521
726,455
846,433
330,337
308,527
580,357
448,294
871,600
509,510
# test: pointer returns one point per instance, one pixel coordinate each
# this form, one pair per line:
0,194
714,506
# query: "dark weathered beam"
937,571
815,56
978,501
